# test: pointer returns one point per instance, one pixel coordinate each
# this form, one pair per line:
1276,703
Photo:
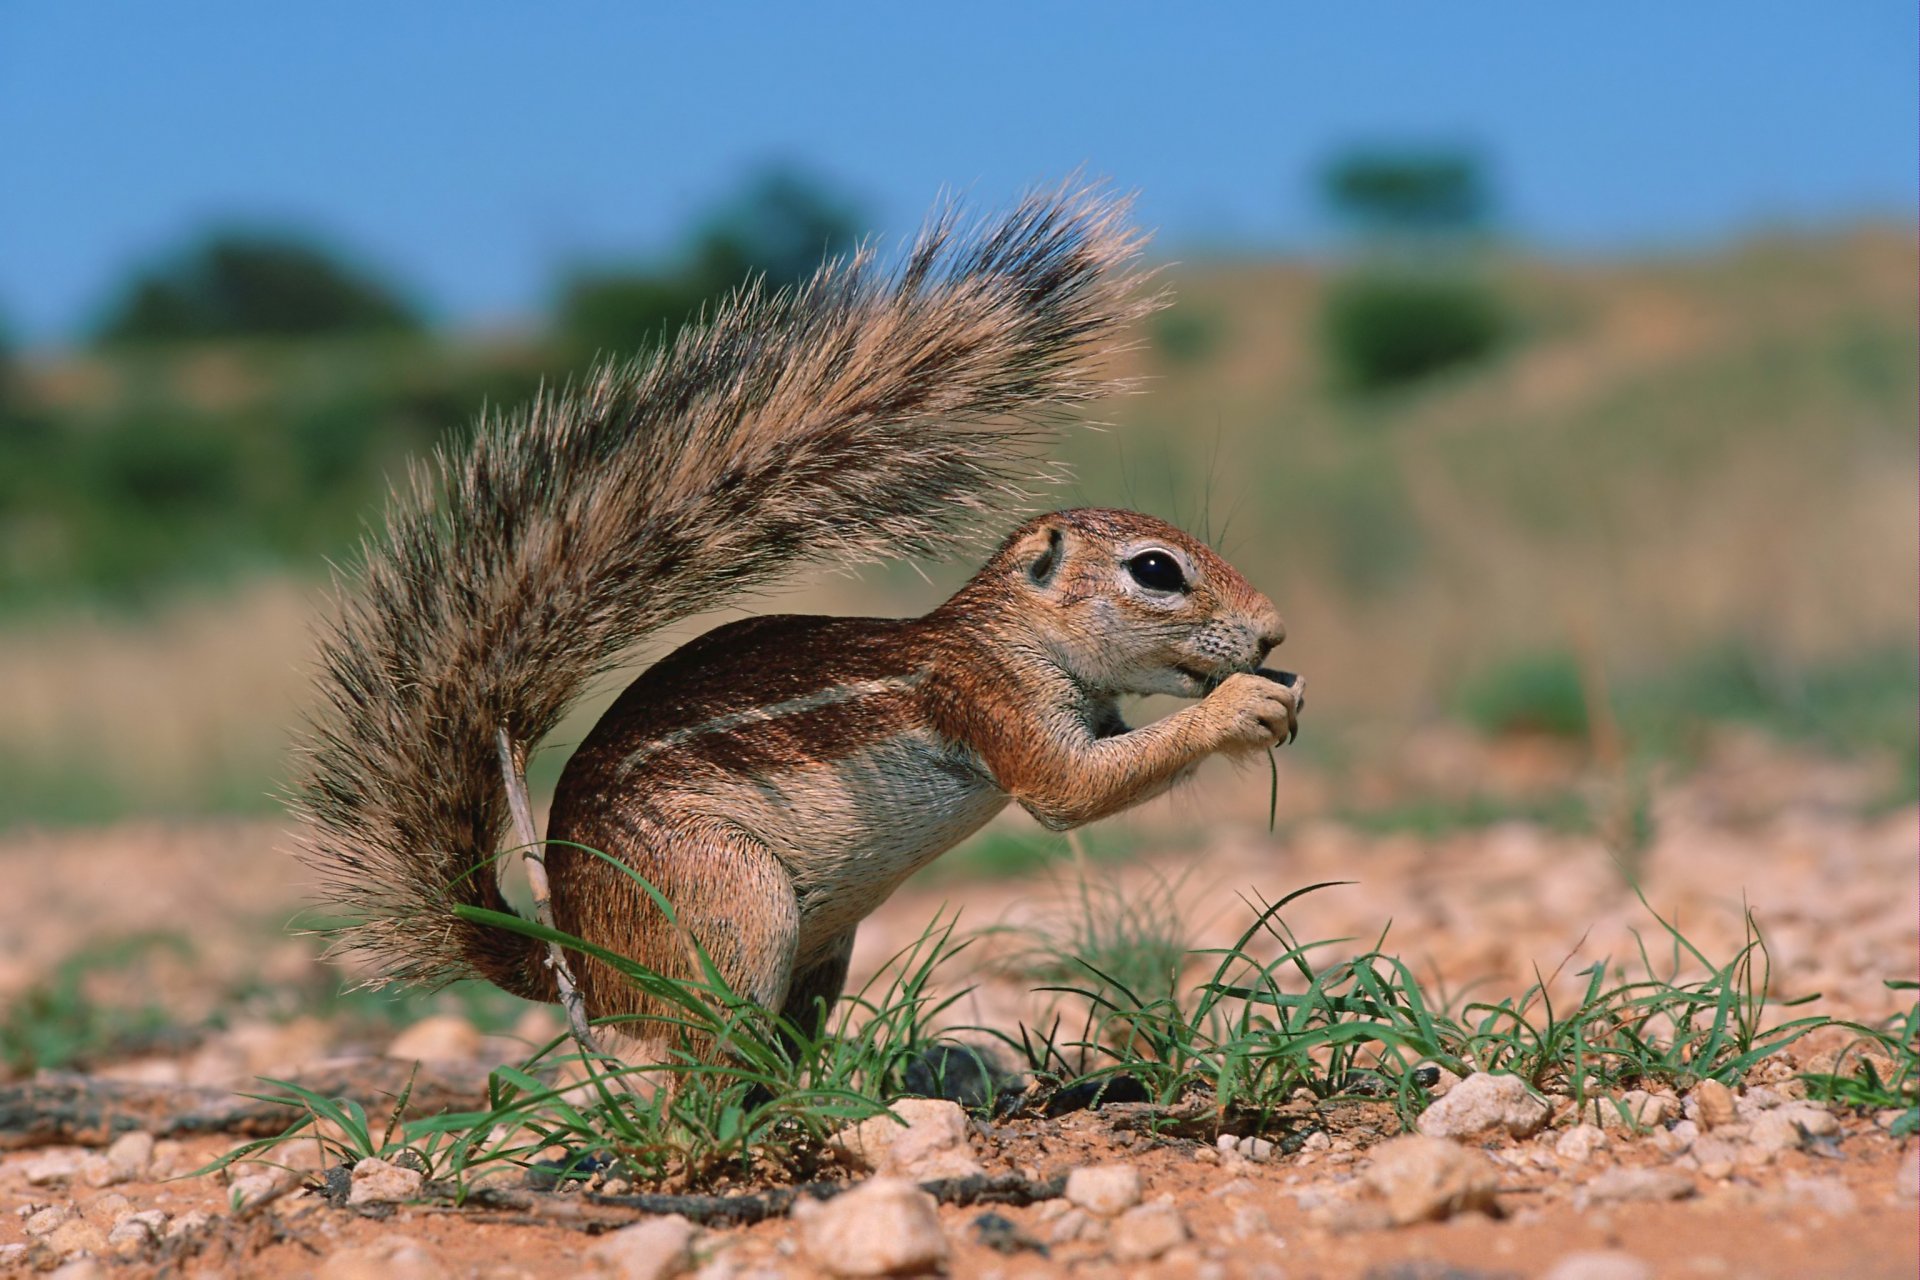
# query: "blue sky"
475,148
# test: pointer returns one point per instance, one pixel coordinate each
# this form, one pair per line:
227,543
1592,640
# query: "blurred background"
1518,356
1553,368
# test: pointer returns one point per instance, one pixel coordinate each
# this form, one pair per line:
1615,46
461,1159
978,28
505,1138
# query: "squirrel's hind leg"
729,894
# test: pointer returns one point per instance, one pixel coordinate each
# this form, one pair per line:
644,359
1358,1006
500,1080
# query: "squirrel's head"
1129,604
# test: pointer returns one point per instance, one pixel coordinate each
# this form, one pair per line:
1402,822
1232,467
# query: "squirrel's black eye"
1157,571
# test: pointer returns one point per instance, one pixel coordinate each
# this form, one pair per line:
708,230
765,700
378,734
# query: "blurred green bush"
1382,331
253,284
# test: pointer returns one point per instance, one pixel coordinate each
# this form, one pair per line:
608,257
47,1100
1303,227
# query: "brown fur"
777,778
867,414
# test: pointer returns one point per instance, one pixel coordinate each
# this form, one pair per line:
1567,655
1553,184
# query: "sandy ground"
1832,883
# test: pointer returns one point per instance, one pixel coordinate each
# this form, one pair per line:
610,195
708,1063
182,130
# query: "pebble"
1075,1224
105,1209
43,1221
377,1182
252,1188
130,1156
76,1235
1634,1109
931,1144
1424,1178
1485,1103
1104,1190
1146,1231
658,1249
136,1230
1580,1143
1712,1104
1599,1264
1256,1149
1785,1127
443,1037
884,1227
54,1167
187,1223
1638,1184
1716,1156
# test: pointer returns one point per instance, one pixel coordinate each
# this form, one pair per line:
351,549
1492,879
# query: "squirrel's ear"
1043,562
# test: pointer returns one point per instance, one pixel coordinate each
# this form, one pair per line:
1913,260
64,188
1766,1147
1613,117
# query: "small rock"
1645,1110
654,1250
377,1182
188,1223
1786,1127
131,1155
135,1231
1716,1156
1104,1190
1759,1098
43,1222
932,1143
1579,1143
884,1227
1256,1149
1075,1224
169,1156
1423,1178
1317,1141
1226,1142
13,1255
97,1171
252,1188
440,1038
80,1269
106,1208
1711,1104
1485,1103
1633,1110
76,1236
1599,1264
1638,1184
52,1168
1146,1231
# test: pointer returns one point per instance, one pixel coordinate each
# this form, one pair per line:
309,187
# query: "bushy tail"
868,414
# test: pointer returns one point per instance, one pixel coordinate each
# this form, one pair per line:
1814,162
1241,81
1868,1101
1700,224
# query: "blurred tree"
780,226
1417,305
1409,192
234,284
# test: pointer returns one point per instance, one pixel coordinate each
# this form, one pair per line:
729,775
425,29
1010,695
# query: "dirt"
1757,825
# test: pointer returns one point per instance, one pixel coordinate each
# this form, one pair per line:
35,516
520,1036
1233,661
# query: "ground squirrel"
778,777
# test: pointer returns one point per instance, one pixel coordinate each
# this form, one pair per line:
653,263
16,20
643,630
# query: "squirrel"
778,777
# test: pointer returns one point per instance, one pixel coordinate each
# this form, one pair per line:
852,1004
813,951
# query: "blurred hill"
1683,488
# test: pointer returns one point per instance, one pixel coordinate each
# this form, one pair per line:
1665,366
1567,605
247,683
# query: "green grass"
1881,1070
1266,1018
1254,1031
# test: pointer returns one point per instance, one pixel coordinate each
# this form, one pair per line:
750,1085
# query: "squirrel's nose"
1272,633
